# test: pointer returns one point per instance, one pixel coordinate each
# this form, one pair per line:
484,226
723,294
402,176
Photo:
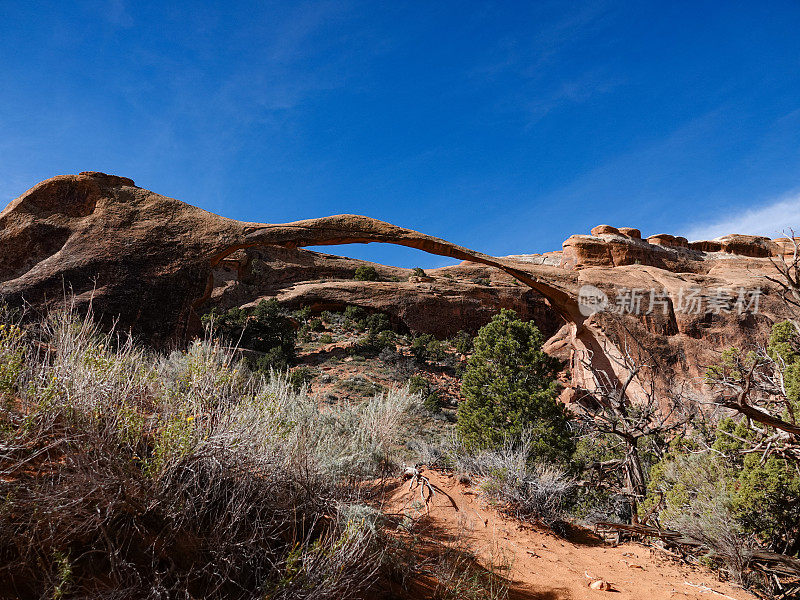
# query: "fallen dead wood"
704,589
770,562
419,480
668,535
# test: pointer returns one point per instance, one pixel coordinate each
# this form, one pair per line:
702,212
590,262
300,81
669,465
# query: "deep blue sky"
502,126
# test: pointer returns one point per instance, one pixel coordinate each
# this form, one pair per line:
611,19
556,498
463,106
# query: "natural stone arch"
356,229
349,229
145,262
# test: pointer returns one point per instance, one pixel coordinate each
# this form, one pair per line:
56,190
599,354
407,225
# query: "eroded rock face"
608,246
442,303
155,263
141,256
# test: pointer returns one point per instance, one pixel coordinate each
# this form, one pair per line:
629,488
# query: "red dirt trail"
542,566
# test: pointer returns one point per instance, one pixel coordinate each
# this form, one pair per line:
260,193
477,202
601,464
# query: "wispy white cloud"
574,91
771,219
117,14
536,63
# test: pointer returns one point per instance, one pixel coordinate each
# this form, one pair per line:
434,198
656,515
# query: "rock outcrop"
608,246
152,261
155,264
442,303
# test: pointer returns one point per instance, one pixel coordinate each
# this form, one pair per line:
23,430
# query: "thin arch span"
355,229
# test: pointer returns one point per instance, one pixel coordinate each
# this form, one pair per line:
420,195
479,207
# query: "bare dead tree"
611,409
753,383
787,277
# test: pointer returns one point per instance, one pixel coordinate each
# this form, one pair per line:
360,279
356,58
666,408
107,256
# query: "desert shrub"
265,329
426,348
431,401
183,476
524,488
375,343
316,325
402,366
418,272
436,350
365,273
698,501
602,498
510,386
419,346
388,355
418,384
462,342
303,334
377,322
326,338
361,386
302,314
427,453
385,339
12,355
300,377
355,317
481,281
766,489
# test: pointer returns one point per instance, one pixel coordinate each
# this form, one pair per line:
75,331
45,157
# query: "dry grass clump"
124,474
526,489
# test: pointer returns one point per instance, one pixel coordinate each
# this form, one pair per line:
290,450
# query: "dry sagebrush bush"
524,487
124,474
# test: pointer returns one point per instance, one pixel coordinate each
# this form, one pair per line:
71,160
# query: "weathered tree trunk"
635,484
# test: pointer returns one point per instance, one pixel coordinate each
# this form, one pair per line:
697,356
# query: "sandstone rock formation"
153,261
155,264
448,300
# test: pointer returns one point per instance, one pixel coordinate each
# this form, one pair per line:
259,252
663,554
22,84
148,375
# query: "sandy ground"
542,566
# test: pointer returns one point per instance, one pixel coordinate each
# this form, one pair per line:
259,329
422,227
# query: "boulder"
706,246
749,245
604,230
786,247
671,241
631,232
580,251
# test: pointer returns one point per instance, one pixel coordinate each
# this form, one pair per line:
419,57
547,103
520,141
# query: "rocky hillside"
157,264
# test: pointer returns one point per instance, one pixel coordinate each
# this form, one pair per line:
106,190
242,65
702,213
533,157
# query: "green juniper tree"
510,386
366,273
265,329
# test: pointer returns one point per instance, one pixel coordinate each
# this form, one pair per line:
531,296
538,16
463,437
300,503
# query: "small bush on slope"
462,342
365,273
264,329
525,489
128,475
